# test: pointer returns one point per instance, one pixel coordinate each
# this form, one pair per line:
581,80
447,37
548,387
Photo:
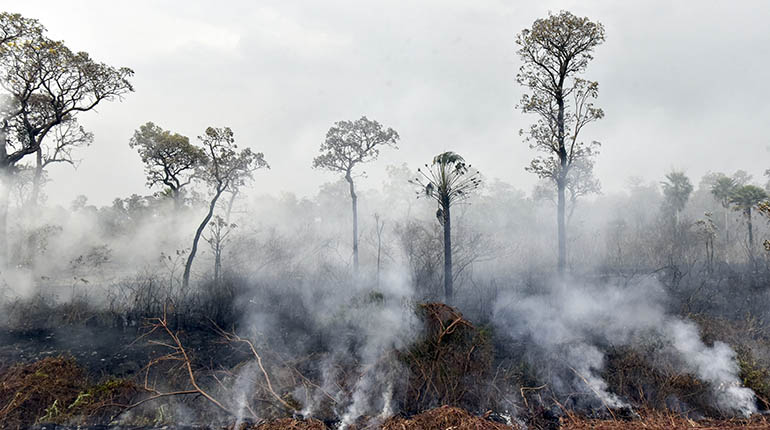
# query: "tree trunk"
561,185
751,233
379,247
354,200
230,205
36,180
5,193
562,228
28,258
217,263
198,233
448,287
727,238
176,195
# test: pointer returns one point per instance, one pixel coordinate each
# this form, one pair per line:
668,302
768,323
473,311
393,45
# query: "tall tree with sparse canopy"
45,86
554,52
170,160
347,144
226,169
745,198
447,180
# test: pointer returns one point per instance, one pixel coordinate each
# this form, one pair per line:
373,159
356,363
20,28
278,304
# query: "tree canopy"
169,158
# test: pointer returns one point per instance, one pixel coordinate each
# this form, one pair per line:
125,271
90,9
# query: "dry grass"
445,417
665,421
449,364
56,389
291,424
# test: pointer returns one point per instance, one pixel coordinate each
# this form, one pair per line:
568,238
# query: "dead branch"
232,337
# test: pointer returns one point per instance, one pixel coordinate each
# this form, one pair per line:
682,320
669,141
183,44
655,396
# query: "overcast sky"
683,84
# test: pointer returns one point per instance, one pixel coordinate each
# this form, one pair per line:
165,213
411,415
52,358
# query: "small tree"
347,144
226,169
447,180
219,230
707,231
554,51
745,198
169,159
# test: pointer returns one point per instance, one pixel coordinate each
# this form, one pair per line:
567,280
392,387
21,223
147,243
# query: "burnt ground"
105,351
110,352
101,351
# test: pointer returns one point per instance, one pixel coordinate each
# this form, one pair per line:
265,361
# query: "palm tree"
745,198
447,180
722,190
676,190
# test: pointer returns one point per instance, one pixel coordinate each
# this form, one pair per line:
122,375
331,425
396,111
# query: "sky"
683,84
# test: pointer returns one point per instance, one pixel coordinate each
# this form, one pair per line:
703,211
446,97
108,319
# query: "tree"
707,231
676,192
447,180
57,148
46,85
226,169
554,51
580,182
347,144
722,190
745,198
169,159
219,230
764,209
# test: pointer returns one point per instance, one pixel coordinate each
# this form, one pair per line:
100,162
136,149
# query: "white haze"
678,82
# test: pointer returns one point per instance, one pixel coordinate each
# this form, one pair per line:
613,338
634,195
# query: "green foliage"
754,375
553,52
47,86
351,142
448,179
169,159
746,197
226,167
722,190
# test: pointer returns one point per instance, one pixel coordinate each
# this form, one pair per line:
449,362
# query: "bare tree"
226,169
347,144
554,51
169,159
447,180
219,230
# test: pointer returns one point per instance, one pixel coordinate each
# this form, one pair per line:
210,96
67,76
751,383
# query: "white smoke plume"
570,322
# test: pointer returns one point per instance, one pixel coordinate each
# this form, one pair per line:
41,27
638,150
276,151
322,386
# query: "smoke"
361,326
572,323
715,364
